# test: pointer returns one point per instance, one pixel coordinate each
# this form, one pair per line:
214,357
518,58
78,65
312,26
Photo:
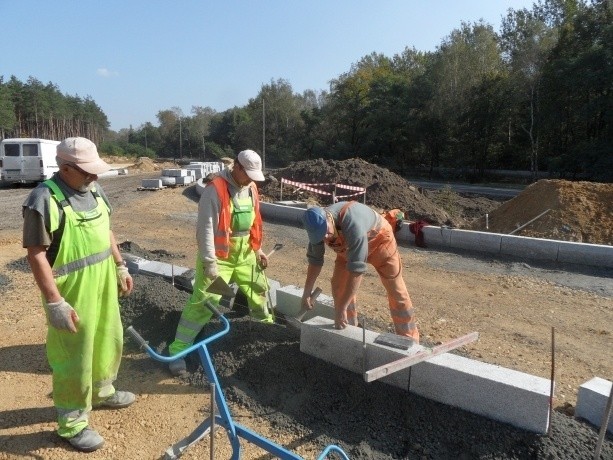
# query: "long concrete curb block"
289,300
184,277
508,396
598,255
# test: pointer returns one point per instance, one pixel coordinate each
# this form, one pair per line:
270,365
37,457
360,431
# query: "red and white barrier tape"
351,187
306,186
309,187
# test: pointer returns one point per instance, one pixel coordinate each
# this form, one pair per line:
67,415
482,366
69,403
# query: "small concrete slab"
174,172
151,183
592,401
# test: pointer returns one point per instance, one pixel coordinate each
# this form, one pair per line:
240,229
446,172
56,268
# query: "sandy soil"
288,397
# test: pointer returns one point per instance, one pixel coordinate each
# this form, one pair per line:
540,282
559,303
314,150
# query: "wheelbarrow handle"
214,310
142,342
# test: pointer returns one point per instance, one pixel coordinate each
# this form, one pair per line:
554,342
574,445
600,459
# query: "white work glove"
62,316
124,280
210,270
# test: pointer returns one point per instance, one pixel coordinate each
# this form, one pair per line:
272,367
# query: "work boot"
178,367
118,400
86,440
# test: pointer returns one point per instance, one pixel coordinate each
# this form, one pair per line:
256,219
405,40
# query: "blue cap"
314,221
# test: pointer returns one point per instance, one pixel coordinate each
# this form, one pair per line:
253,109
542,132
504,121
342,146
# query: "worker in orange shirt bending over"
359,236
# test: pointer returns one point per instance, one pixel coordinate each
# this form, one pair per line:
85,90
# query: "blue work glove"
62,316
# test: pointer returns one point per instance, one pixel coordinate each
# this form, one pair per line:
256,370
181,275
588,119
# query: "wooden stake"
604,425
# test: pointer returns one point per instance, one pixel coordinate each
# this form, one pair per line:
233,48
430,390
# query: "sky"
137,57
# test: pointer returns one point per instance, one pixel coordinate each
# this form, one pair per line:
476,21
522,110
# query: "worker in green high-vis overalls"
79,270
229,236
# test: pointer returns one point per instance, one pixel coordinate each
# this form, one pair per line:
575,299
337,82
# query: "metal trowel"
227,292
275,248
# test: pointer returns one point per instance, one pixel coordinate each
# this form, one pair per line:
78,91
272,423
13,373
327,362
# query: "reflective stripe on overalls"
239,266
384,257
84,364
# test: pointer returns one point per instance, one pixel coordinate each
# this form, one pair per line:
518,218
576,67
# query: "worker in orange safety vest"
229,236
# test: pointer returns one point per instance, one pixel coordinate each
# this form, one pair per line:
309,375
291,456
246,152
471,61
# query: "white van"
27,160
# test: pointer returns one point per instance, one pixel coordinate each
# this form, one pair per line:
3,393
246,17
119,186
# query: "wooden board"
403,363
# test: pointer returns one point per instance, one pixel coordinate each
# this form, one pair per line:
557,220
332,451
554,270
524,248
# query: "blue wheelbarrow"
223,418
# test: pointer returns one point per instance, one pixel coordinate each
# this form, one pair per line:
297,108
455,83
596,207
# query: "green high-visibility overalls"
84,364
240,267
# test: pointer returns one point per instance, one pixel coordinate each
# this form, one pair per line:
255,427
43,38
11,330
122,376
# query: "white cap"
252,164
83,153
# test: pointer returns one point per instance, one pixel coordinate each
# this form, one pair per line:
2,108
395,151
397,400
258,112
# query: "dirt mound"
384,189
146,164
573,211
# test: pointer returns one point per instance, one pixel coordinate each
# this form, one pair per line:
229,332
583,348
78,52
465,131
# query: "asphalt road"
481,190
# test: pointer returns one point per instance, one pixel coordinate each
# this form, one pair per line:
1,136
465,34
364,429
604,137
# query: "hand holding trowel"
263,263
227,292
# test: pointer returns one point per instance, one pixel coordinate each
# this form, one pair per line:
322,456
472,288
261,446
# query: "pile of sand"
571,211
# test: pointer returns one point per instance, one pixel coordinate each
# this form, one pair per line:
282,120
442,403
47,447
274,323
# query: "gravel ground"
261,369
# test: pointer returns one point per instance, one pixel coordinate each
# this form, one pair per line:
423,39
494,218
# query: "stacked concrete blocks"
151,183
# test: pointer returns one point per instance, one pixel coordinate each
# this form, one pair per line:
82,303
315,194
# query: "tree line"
536,95
33,109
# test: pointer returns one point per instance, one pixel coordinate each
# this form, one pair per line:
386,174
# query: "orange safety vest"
222,235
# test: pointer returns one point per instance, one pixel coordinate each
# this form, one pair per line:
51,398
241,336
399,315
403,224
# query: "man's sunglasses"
76,168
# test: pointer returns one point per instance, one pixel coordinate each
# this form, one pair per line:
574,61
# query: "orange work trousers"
384,257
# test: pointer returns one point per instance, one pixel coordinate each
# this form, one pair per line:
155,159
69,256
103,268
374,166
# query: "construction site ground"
291,398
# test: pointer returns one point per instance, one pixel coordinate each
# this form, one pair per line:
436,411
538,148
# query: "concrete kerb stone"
293,203
508,396
109,173
282,213
465,239
532,248
436,237
289,299
592,401
587,254
153,268
183,276
491,391
494,243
